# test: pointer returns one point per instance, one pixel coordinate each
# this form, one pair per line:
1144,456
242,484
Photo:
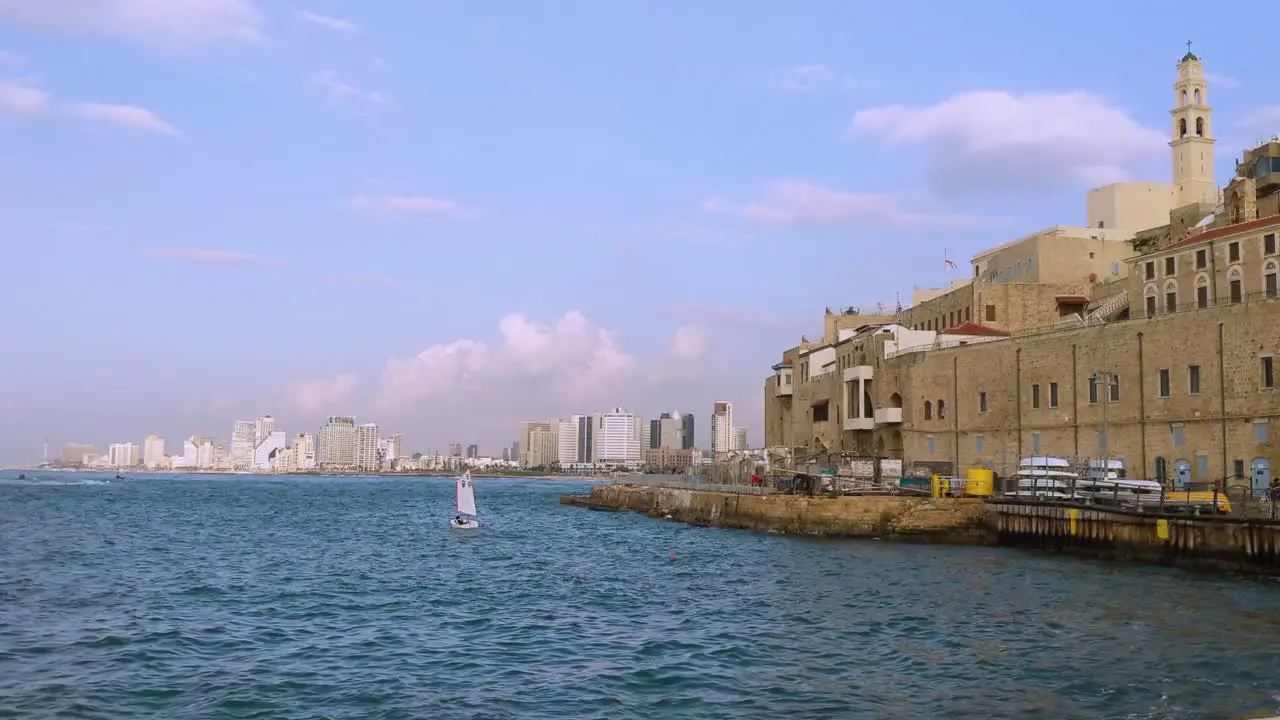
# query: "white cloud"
796,203
324,395
808,79
979,140
410,205
126,116
339,91
689,343
20,100
328,22
200,256
1263,120
170,24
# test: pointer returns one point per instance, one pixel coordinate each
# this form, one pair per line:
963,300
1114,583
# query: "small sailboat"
466,517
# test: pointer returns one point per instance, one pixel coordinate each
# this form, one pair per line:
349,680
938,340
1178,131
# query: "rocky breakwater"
951,520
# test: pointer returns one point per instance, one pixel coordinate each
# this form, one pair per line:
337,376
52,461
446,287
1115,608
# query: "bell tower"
1192,141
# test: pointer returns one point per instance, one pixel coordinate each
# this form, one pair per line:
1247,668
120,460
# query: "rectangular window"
1269,285
1035,443
967,314
1202,259
1164,382
1151,306
982,402
1202,296
1171,301
930,441
1102,442
1035,396
1237,291
1233,252
1151,270
1113,385
1179,436
977,444
1268,372
991,313
1202,466
1115,268
1053,395
1261,431
1237,468
1193,379
1170,267
1269,244
1093,390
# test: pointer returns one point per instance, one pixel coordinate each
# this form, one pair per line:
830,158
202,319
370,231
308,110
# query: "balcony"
858,372
783,390
859,423
888,415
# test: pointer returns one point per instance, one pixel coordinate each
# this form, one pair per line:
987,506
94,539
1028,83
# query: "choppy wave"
303,599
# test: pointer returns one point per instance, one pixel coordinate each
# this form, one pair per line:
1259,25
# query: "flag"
950,265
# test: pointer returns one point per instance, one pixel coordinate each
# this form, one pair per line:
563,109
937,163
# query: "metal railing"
1231,496
691,481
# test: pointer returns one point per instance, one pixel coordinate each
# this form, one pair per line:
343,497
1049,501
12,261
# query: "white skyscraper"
304,452
618,436
153,452
722,435
336,443
244,438
123,455
567,446
262,427
367,456
266,454
740,438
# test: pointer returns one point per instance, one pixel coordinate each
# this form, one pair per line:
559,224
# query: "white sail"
466,495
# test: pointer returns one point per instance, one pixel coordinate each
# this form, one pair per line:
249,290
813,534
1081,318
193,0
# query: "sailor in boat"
457,520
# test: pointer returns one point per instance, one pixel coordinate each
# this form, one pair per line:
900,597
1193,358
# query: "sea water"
251,597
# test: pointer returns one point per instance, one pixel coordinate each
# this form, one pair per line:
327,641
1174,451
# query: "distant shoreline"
311,473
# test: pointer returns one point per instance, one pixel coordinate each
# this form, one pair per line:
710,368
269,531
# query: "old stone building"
1156,346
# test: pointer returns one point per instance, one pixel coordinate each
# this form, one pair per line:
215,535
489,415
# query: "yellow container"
980,482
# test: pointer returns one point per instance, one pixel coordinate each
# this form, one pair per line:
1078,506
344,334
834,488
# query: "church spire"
1192,135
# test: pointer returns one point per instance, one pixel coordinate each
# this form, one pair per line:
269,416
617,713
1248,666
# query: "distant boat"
466,517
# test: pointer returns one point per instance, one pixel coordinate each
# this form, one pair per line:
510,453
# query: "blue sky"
222,208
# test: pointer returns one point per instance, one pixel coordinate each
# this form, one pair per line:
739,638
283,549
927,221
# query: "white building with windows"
619,438
722,431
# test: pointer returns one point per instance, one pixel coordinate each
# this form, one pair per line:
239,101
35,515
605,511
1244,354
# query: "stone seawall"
951,520
1249,546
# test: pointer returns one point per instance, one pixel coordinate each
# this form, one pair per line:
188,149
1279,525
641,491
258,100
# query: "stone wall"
1000,396
907,518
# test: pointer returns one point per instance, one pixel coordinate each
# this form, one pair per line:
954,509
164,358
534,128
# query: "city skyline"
320,228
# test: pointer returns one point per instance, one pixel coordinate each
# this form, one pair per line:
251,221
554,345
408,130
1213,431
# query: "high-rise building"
153,452
336,443
586,438
686,431
540,441
567,441
262,427
515,451
619,435
667,431
506,454
722,428
740,438
123,455
74,453
266,455
244,438
304,452
455,449
367,456
473,451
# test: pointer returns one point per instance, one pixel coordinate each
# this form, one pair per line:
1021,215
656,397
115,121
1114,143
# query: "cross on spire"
1188,46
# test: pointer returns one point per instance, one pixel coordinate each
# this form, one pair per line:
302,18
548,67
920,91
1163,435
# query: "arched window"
1235,283
1171,296
1202,290
942,410
928,410
1151,295
1197,95
1184,97
1200,127
1270,271
1182,127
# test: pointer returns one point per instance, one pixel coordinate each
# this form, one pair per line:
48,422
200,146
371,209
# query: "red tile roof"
1229,230
972,328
